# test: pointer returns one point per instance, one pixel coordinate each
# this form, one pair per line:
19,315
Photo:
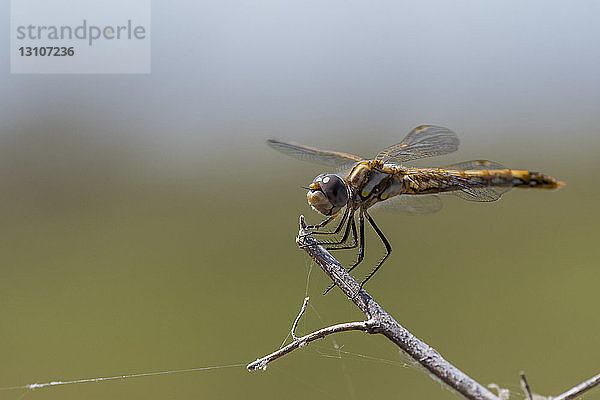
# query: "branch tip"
525,386
295,324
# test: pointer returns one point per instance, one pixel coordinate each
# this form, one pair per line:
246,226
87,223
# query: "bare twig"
295,325
379,321
579,389
525,386
262,363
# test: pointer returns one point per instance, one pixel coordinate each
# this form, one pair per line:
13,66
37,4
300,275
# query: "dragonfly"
385,179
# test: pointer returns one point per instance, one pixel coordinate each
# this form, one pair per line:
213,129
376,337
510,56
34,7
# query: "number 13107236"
48,51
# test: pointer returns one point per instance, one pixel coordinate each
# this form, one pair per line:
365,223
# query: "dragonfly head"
327,194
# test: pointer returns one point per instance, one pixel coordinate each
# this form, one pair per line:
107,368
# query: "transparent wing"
411,204
483,194
478,165
473,192
423,141
312,154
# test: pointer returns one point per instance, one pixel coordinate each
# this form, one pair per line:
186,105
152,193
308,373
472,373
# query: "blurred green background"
147,227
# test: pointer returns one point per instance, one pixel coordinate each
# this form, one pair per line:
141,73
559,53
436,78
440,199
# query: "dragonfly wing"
423,141
473,192
411,204
483,194
312,154
476,165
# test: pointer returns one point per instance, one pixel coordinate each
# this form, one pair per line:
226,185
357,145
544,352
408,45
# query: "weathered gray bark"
379,321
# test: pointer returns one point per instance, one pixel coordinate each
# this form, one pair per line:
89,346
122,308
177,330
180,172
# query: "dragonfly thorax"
327,194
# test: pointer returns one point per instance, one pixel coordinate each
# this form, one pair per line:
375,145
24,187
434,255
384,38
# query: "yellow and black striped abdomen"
532,179
509,178
473,184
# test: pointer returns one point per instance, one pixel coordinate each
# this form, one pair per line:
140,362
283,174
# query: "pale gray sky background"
319,72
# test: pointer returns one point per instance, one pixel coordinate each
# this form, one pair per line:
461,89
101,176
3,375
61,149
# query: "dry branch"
262,363
379,321
579,389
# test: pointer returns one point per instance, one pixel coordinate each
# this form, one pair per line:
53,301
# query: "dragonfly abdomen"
429,181
508,178
532,179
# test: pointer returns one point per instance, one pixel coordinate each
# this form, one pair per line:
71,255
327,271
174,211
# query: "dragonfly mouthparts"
314,186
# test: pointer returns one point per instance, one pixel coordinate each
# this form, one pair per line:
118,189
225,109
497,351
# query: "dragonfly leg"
388,250
328,220
322,223
333,245
361,248
344,238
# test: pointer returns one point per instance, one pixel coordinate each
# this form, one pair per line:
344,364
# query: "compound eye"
335,189
318,179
